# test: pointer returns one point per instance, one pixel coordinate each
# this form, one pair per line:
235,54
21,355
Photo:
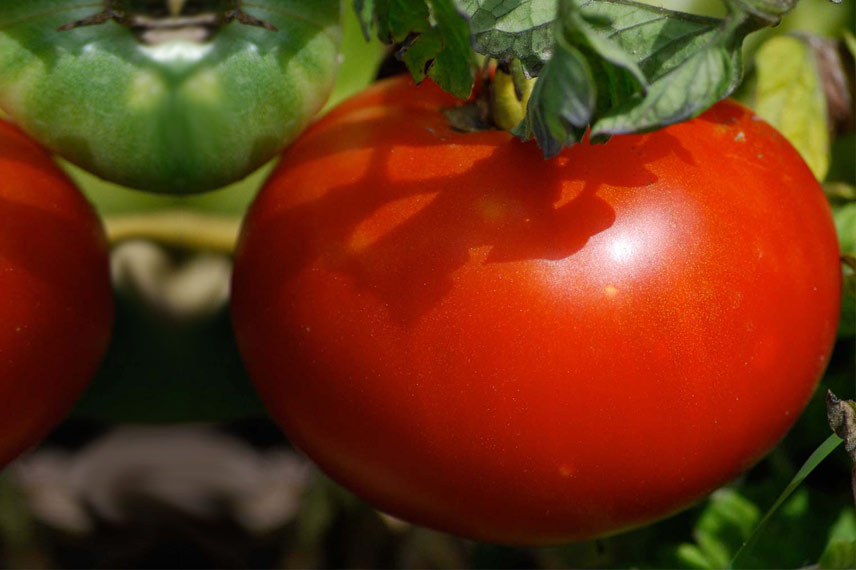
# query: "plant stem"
184,229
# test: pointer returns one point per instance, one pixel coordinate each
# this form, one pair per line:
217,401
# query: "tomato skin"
529,351
56,304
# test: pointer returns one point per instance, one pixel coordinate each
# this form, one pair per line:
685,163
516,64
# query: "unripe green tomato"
180,103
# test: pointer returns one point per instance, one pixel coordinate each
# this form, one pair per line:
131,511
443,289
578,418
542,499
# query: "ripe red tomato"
56,304
528,351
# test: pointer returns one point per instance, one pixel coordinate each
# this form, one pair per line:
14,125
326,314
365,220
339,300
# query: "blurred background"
169,460
236,495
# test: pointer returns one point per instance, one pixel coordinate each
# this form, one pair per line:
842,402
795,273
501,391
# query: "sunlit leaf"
790,96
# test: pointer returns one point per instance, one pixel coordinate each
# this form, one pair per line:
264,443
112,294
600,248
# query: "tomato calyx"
498,100
162,20
470,118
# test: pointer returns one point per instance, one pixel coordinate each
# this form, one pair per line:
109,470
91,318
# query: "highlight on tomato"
173,97
56,303
526,351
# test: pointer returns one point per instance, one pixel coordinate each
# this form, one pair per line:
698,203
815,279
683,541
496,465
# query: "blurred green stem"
182,229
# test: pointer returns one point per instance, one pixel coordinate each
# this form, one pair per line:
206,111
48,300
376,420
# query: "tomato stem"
499,99
178,228
509,95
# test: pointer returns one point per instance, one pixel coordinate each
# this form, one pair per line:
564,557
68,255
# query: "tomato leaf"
621,66
419,55
454,65
435,39
399,18
617,74
708,73
593,30
659,39
520,30
394,20
593,70
561,103
790,96
650,66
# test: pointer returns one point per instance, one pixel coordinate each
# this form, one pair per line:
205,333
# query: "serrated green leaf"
504,29
789,95
562,101
581,30
626,45
441,51
420,54
659,39
397,19
595,70
616,74
656,39
707,76
626,66
454,66
690,61
393,19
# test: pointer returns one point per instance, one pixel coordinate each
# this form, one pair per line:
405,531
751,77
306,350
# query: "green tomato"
151,19
165,95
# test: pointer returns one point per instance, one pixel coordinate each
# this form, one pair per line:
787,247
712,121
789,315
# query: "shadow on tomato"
385,229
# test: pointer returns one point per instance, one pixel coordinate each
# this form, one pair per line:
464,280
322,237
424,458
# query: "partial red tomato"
56,304
528,351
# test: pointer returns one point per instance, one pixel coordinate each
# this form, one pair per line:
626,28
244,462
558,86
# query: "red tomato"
56,303
528,351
